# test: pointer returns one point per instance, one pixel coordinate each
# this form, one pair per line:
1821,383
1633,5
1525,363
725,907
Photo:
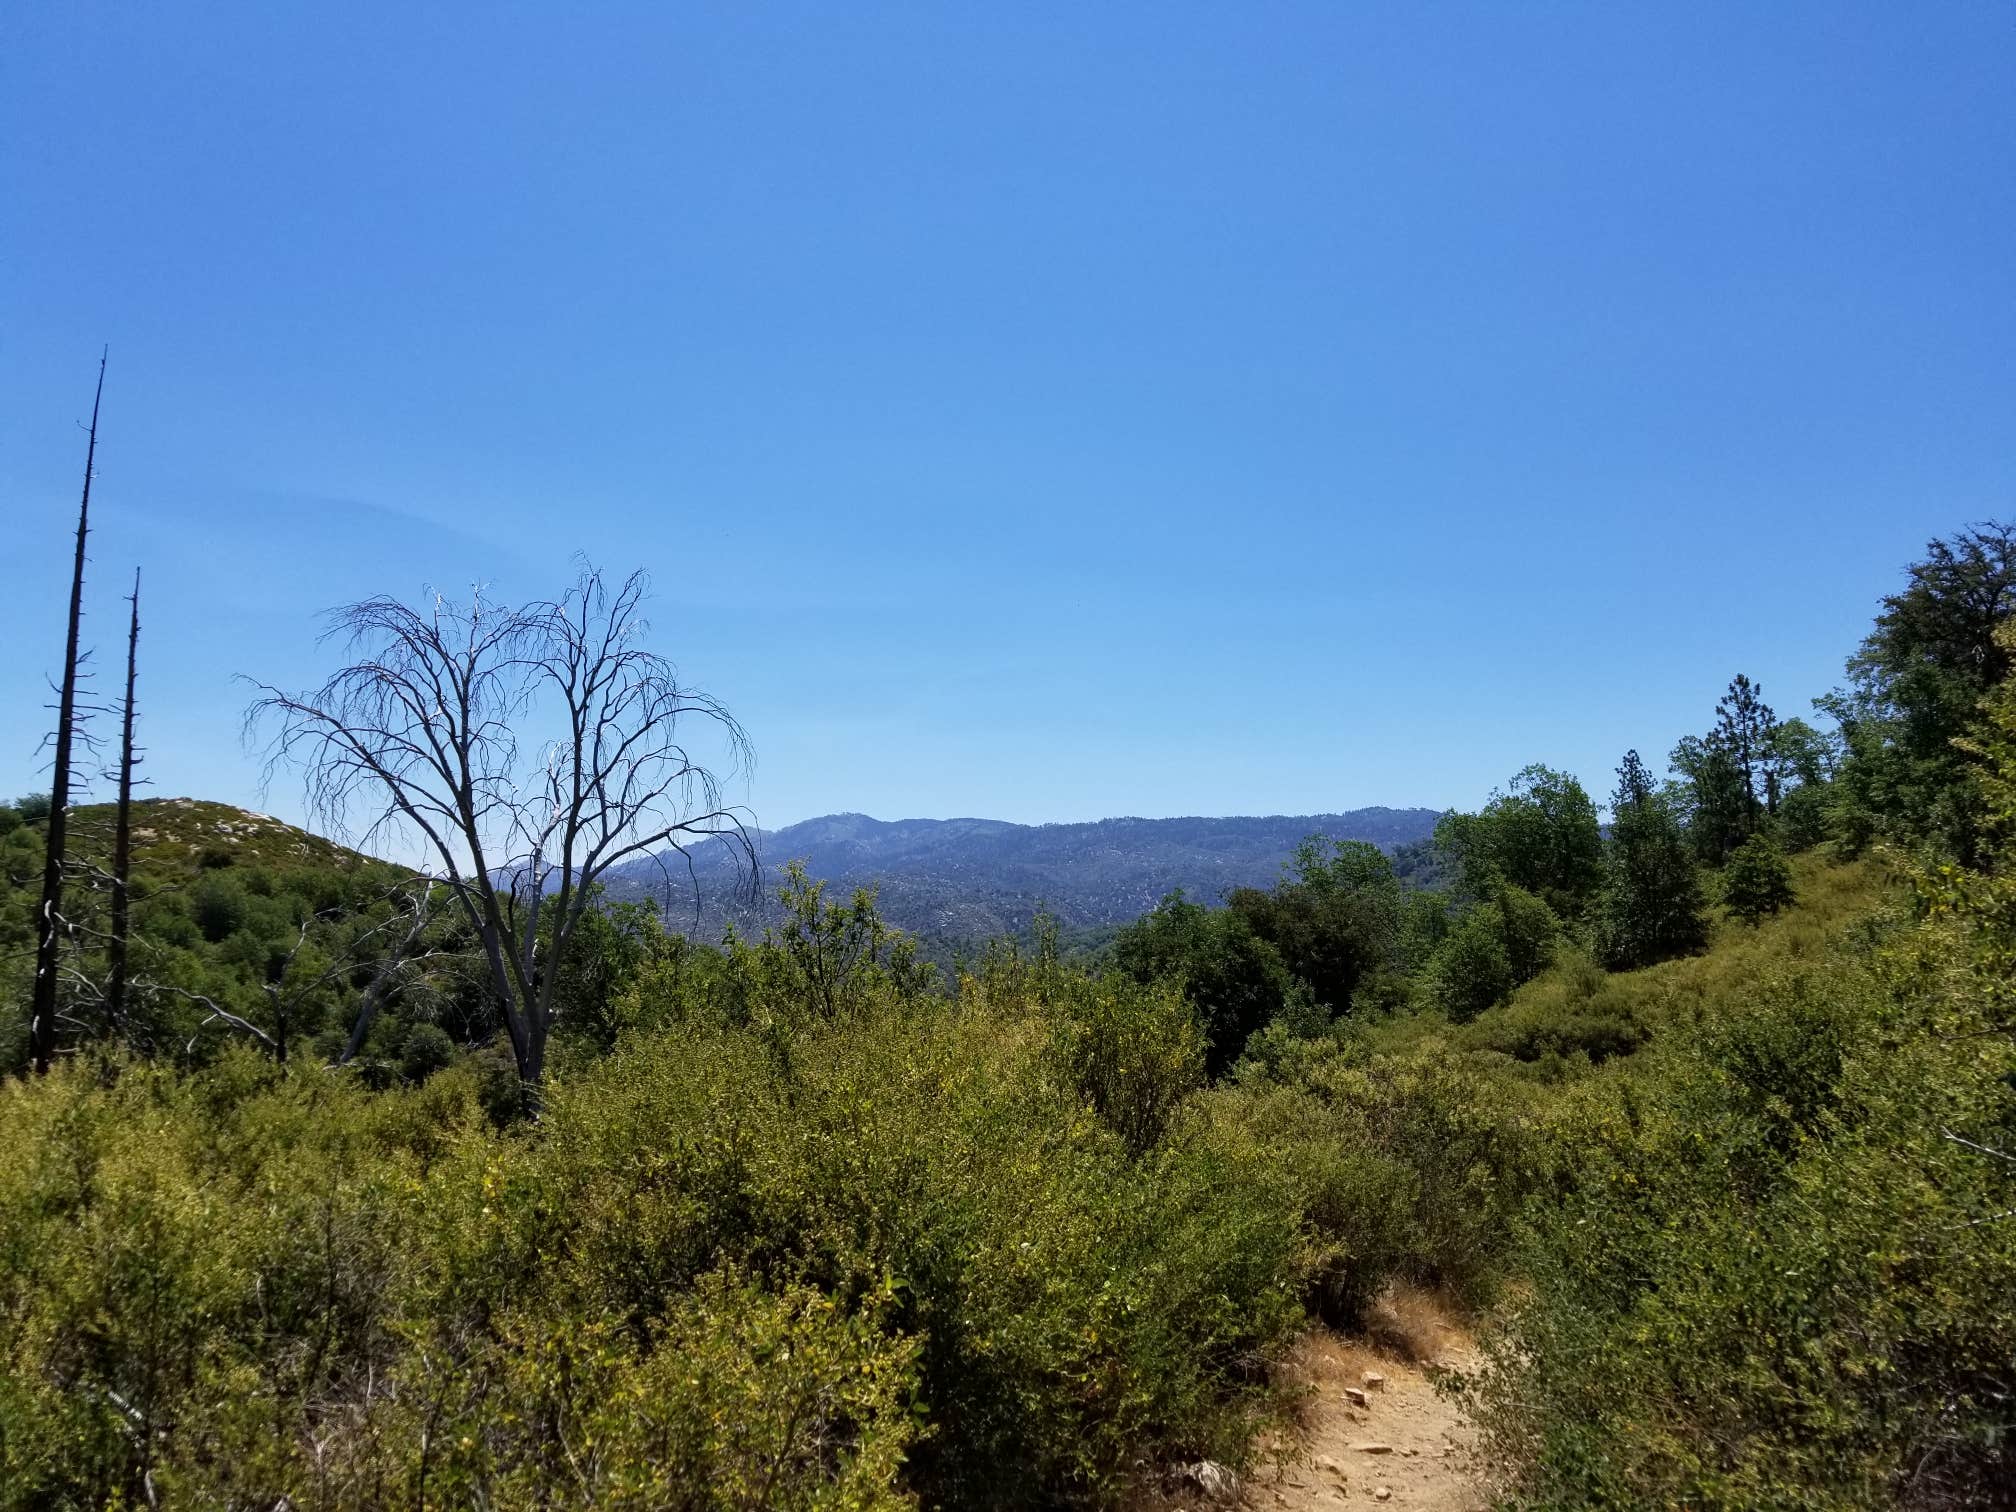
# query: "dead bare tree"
421,736
49,915
122,836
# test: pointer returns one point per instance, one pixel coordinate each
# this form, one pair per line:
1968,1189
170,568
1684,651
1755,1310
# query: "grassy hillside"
909,1245
1723,1218
181,836
1576,1016
1766,1259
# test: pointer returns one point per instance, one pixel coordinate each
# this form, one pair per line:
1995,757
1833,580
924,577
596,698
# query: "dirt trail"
1430,1461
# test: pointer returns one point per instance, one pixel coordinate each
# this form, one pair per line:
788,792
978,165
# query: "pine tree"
1651,908
1746,728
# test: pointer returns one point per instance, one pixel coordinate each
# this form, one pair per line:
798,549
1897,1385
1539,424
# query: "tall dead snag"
527,750
122,837
49,917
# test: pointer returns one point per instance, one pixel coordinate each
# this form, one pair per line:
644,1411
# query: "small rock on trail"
1397,1443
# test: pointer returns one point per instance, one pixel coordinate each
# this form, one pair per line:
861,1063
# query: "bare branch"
1977,1148
526,750
218,1013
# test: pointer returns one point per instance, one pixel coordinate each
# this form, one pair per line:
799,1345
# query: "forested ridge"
958,882
468,1184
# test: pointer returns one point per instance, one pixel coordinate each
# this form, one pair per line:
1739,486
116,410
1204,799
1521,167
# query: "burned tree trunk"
122,838
49,917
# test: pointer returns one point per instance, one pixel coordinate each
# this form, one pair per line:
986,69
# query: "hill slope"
970,879
173,834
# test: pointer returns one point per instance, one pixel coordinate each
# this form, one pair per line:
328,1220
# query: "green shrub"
222,906
944,1148
1356,1202
1406,1166
736,1397
1757,882
1235,978
1769,1278
427,1049
982,1252
1334,919
194,1270
1497,944
1470,970
1133,1052
1576,1010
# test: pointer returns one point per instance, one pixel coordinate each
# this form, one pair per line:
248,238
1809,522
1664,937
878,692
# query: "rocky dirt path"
1374,1431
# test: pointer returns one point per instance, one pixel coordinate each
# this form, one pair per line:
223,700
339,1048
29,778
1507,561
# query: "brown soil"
1430,1462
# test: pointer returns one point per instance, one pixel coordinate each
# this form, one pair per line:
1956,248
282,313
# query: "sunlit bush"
1407,1166
1772,1275
1575,1011
981,1251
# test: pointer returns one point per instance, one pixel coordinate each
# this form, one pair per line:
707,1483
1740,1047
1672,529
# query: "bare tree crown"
528,749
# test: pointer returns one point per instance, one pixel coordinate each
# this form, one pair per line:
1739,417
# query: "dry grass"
1417,1325
1409,1324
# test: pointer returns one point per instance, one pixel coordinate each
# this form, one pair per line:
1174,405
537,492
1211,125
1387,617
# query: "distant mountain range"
972,879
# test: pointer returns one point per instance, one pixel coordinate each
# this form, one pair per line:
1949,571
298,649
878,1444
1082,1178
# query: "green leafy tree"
1913,689
1652,908
1424,924
1538,833
1496,947
610,946
1711,794
1470,971
834,954
1805,761
1235,980
1803,755
1757,882
1334,920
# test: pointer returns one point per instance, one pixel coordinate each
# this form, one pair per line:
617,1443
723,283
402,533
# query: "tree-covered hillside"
1706,1114
960,882
242,927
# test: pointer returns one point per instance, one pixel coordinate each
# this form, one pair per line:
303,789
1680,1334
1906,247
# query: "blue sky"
1034,411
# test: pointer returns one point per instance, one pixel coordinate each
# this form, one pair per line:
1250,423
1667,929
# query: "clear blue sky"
1035,411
